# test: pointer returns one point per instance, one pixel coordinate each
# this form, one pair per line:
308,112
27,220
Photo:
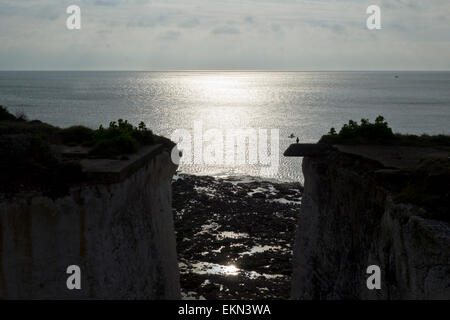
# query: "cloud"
226,30
189,23
249,20
44,11
170,35
244,34
107,3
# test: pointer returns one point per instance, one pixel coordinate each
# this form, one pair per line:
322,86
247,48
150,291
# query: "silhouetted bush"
364,132
119,138
31,155
21,116
423,140
28,160
6,115
77,135
378,130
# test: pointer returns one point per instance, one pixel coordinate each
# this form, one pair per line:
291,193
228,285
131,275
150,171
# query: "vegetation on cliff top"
427,185
379,132
6,115
30,155
28,159
120,138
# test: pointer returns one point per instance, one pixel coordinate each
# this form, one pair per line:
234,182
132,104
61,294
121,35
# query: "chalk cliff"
349,221
117,227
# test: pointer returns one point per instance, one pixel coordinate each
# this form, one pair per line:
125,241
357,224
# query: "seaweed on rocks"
235,238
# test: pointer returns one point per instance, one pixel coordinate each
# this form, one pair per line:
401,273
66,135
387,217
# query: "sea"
233,123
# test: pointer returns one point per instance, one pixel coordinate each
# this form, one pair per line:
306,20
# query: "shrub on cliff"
6,115
28,160
365,132
119,138
379,132
76,135
423,140
32,156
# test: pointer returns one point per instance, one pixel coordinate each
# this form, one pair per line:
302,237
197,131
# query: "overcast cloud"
234,34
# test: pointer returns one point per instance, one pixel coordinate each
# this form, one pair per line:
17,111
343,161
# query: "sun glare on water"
226,98
231,270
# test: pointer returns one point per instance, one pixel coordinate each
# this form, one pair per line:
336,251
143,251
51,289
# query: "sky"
231,35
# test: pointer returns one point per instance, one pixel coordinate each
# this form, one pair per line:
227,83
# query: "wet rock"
220,221
259,195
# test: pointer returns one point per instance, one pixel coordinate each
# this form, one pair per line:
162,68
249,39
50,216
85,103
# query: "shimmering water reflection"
306,104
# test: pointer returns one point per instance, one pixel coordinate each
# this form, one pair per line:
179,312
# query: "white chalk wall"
121,235
347,223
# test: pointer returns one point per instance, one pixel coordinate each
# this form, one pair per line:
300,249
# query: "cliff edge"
367,205
99,201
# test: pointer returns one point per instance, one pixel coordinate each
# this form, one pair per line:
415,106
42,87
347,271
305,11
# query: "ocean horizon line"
224,70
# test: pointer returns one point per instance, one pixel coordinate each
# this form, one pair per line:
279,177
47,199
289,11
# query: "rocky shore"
235,236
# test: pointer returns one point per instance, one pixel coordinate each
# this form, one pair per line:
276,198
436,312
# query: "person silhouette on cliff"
298,140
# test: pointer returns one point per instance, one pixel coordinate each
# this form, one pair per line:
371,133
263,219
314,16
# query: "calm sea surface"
306,104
